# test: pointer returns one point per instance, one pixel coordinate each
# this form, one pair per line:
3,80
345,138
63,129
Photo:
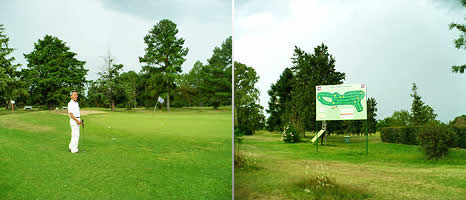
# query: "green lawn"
184,154
390,171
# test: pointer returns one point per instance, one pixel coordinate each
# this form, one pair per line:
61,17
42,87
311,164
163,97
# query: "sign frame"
341,102
334,95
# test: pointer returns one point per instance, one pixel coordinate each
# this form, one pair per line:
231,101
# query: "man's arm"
75,119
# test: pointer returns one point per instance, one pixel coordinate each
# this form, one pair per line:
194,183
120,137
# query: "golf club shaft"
82,142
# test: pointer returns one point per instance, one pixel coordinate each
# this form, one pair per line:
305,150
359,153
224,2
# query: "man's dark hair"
71,93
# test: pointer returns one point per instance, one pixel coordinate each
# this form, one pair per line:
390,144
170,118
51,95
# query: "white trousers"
74,136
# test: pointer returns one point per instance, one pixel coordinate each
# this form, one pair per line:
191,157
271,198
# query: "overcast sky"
91,27
387,44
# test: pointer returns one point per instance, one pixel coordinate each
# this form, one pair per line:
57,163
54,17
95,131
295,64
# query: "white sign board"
341,102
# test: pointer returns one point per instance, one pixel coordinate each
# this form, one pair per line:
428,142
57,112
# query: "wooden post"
12,105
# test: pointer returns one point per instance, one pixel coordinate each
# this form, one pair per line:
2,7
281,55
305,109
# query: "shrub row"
409,135
401,135
460,133
435,139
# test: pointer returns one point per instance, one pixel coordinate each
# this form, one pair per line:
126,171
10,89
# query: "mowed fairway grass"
183,154
390,171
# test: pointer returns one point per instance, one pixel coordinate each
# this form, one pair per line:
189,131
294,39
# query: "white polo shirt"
73,107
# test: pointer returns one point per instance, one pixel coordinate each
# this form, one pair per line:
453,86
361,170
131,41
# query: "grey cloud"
210,11
91,27
389,45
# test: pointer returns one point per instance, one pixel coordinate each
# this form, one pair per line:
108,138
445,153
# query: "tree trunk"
111,96
134,98
236,115
168,100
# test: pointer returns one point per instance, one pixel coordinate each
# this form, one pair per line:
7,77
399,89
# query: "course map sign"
341,102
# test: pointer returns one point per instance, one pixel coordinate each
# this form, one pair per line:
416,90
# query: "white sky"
387,44
92,27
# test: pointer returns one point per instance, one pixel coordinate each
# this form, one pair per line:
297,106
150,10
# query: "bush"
317,182
322,184
401,135
435,138
243,129
409,135
289,134
389,134
245,160
460,135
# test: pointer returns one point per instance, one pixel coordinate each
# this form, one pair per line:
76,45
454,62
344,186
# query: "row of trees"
420,114
248,112
419,126
292,97
53,71
11,85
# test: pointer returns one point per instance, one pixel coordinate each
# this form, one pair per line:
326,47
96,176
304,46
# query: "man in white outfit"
75,121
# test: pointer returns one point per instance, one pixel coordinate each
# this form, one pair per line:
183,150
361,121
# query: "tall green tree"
216,82
164,55
53,71
280,96
222,55
309,71
400,118
185,94
110,76
460,43
247,110
420,112
11,86
274,119
371,115
96,94
129,84
189,86
354,126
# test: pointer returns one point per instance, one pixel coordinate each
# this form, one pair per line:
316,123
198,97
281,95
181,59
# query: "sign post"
317,143
12,105
342,102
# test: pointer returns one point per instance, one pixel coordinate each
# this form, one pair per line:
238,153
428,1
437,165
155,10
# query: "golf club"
82,142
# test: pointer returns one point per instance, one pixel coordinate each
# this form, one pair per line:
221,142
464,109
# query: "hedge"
435,138
401,135
408,135
460,132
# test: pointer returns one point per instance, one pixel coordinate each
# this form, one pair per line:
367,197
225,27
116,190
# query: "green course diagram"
348,98
341,102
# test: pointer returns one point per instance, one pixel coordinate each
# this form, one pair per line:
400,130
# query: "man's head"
74,95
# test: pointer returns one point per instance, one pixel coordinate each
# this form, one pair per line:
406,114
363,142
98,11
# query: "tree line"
420,114
53,70
292,97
